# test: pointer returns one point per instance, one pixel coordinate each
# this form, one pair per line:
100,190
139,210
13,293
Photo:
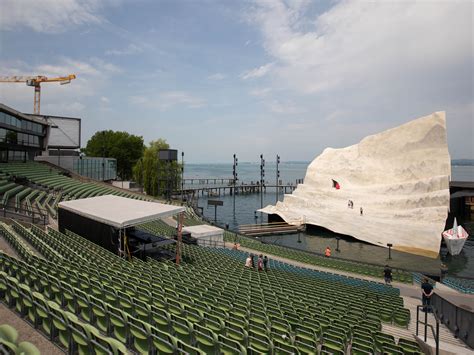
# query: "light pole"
103,156
262,178
182,177
390,245
234,181
277,177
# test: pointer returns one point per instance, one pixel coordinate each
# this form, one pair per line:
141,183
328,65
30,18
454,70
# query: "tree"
154,175
126,148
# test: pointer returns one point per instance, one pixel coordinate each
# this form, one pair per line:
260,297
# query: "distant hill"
462,162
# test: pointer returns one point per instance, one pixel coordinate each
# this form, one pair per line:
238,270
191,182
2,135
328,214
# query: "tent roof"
119,212
203,230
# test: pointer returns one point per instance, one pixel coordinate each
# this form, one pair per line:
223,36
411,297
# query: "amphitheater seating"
86,298
319,260
59,187
158,227
9,342
462,285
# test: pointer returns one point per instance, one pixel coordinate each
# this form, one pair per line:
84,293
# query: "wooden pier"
237,190
207,181
269,229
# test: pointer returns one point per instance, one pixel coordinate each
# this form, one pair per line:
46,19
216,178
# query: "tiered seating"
462,285
158,227
20,196
9,342
51,179
313,259
28,198
81,296
12,191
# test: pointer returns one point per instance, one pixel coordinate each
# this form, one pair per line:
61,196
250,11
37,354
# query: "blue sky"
248,77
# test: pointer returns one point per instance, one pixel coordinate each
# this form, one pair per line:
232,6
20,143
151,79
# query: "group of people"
350,204
262,262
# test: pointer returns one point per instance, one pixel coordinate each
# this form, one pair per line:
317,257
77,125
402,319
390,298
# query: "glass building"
21,137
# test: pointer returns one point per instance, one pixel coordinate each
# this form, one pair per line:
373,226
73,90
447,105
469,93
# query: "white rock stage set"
399,178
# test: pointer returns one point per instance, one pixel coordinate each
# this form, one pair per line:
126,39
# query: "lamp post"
337,243
277,177
182,177
262,178
390,245
235,178
103,156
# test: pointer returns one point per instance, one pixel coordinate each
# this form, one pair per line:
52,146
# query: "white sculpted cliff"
400,178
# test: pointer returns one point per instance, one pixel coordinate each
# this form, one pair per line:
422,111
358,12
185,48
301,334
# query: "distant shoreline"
462,162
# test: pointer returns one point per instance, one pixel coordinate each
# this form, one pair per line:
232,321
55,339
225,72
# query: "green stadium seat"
8,333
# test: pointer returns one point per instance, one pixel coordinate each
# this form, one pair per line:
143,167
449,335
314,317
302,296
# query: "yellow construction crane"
36,81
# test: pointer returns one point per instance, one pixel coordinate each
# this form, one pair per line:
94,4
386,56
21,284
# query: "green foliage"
126,148
152,173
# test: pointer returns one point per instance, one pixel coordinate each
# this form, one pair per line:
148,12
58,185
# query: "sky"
216,78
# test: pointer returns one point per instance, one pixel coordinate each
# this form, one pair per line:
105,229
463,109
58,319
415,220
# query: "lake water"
246,205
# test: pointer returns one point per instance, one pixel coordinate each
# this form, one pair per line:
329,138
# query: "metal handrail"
426,325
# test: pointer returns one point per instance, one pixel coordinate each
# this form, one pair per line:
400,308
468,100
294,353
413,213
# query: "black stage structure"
109,221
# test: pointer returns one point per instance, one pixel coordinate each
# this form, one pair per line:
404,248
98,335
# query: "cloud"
131,49
360,42
217,76
167,100
284,108
257,72
64,108
262,92
364,66
51,16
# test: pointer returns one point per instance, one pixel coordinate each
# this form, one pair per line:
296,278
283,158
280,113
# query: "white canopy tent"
93,217
119,212
206,235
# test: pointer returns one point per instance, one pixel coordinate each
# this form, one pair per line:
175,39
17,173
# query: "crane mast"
36,81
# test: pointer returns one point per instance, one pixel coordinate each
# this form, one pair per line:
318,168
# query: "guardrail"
32,217
434,331
458,319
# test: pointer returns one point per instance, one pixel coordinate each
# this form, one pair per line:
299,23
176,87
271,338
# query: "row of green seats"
9,342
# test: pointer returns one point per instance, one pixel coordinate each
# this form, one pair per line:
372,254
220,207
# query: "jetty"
255,230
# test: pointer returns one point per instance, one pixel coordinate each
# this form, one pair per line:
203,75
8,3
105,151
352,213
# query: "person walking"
252,261
361,211
265,263
327,252
260,263
387,272
427,292
248,262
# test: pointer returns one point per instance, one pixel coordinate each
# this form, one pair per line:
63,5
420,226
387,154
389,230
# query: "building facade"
21,137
